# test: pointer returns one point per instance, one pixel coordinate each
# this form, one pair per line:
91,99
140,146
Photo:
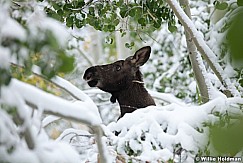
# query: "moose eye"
118,68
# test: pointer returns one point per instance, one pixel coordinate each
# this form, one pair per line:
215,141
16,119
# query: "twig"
29,138
91,62
77,135
98,137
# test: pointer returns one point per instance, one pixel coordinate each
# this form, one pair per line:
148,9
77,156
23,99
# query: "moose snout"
88,76
91,76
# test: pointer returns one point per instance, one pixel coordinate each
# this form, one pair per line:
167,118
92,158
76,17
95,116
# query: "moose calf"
123,80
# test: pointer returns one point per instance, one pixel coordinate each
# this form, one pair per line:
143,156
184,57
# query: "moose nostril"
89,73
89,76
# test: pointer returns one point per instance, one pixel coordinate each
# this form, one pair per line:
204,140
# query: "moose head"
123,80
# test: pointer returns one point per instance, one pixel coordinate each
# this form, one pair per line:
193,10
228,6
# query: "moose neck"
134,97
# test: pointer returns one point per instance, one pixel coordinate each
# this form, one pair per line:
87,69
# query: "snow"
49,119
71,88
47,152
8,137
10,28
56,104
202,46
166,127
193,86
39,20
167,97
19,155
53,152
152,133
4,57
44,150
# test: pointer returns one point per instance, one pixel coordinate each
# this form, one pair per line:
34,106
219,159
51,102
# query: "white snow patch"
79,110
12,29
158,131
193,87
39,20
4,57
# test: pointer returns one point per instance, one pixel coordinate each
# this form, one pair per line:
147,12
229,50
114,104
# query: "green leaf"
123,13
66,13
81,3
105,28
67,6
235,39
241,82
157,24
228,139
116,22
142,21
60,12
165,16
69,21
78,23
172,28
91,11
240,2
127,45
132,12
221,6
132,43
123,34
111,28
5,77
99,6
57,16
67,63
57,6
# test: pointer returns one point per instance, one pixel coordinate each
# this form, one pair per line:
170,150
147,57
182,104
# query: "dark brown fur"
123,80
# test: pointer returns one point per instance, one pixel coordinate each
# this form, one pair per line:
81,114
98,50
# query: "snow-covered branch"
84,112
202,47
77,111
196,60
62,84
173,131
165,97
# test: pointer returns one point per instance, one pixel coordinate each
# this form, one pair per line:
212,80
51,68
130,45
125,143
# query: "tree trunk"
196,60
96,44
122,51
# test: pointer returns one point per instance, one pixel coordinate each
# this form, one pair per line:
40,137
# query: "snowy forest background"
49,114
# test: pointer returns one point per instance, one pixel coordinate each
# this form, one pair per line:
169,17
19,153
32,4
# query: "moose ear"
141,56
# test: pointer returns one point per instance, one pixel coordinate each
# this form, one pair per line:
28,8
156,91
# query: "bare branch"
27,132
101,147
85,55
